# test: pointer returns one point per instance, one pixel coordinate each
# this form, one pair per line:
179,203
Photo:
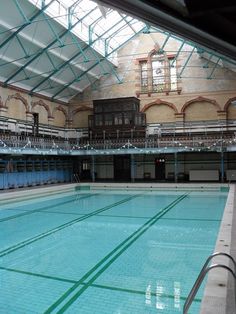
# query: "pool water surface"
106,251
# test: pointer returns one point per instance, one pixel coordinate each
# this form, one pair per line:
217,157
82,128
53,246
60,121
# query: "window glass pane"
98,120
158,75
128,119
144,76
118,119
108,119
98,108
173,74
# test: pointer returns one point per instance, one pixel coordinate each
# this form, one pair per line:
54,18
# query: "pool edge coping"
220,282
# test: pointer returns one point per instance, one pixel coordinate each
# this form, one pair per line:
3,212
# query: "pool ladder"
205,269
75,177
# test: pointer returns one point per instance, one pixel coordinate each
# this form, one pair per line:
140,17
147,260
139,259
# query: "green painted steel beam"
30,20
69,60
162,48
186,62
70,67
75,40
22,47
112,35
213,70
33,76
206,65
147,29
52,29
47,88
26,75
92,84
94,65
41,51
200,50
22,13
127,22
71,13
91,27
178,52
50,59
98,59
115,73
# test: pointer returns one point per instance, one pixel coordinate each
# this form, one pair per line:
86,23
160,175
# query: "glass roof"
102,28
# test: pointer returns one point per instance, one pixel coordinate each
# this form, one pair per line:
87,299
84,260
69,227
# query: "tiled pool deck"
219,292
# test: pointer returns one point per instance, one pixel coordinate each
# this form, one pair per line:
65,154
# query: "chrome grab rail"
76,177
202,275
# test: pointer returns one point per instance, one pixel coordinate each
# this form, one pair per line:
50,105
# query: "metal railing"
75,178
205,269
201,141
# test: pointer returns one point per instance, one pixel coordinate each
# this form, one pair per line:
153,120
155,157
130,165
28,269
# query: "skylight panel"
90,22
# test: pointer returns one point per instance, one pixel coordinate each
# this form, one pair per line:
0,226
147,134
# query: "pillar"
93,168
176,167
222,168
132,168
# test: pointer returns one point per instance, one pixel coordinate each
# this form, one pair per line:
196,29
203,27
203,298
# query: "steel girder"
30,20
90,68
72,58
45,48
196,48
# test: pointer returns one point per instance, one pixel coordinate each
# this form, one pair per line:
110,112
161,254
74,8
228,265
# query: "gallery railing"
200,141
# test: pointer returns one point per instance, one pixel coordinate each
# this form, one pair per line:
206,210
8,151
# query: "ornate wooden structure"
117,118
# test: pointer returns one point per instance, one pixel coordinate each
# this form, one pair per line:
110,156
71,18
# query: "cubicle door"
122,169
160,168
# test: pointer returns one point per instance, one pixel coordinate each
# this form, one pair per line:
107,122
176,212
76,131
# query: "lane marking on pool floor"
29,212
103,264
169,296
193,219
100,286
63,226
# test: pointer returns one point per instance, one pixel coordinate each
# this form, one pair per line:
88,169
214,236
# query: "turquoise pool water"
106,251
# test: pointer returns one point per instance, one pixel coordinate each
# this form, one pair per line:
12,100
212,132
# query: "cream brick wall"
19,105
160,113
196,81
198,111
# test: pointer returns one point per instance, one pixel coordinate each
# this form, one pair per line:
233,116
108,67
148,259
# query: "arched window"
158,73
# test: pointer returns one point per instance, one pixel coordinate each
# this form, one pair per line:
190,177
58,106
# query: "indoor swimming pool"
103,251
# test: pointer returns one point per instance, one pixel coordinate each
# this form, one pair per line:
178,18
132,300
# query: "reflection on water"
163,298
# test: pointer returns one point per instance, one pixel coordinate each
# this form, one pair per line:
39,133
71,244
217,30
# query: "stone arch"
60,118
60,108
19,97
154,51
228,103
81,120
42,104
160,111
200,99
230,109
17,106
201,109
81,108
159,102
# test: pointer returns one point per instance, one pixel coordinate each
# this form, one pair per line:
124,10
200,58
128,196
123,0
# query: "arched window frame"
150,83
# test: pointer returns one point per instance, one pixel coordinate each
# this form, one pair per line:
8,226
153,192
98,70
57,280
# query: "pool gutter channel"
28,194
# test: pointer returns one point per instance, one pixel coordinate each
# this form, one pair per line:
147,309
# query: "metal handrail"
76,177
202,275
